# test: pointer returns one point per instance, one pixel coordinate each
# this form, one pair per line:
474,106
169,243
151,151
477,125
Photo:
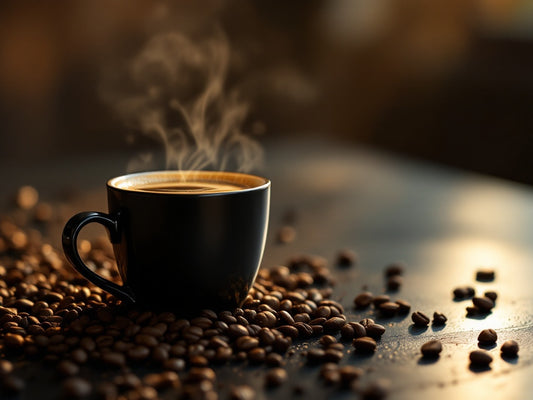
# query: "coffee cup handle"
70,247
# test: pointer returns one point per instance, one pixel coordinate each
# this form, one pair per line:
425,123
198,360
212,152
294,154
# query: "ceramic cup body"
181,251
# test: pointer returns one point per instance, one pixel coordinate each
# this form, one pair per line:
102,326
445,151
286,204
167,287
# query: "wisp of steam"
173,91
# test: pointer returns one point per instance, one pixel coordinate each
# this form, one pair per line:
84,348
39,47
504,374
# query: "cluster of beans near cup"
49,313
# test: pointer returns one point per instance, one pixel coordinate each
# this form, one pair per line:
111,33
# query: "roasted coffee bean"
431,349
160,354
487,337
237,330
509,348
127,381
472,310
282,344
68,368
246,343
394,282
480,357
167,379
318,321
322,312
364,344
348,374
388,309
76,388
346,258
484,304
375,330
223,354
334,324
274,360
363,300
106,391
463,292
491,295
266,336
380,299
304,330
13,341
316,355
305,318
257,355
275,377
394,269
286,317
358,329
197,374
114,359
485,275
403,307
367,321
376,390
6,367
347,332
331,376
420,319
242,392
439,318
174,364
326,340
286,234
333,355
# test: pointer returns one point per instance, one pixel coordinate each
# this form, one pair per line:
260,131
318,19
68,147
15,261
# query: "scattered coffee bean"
394,282
68,368
420,319
485,275
404,307
375,330
364,344
509,348
348,374
346,258
394,269
76,388
431,349
480,357
389,309
491,295
334,324
376,390
487,337
6,367
274,360
378,300
275,377
363,300
465,292
242,392
484,304
439,318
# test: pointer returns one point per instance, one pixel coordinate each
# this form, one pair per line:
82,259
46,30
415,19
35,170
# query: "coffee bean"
431,349
375,330
305,318
237,330
509,348
380,299
364,344
6,367
13,341
358,329
68,368
363,300
106,391
480,357
485,275
388,309
138,353
347,332
472,310
439,318
174,364
114,359
394,269
242,392
420,319
487,337
484,304
275,377
274,360
322,312
246,343
326,340
349,374
304,330
286,317
289,330
394,282
334,324
403,307
463,292
315,355
346,258
167,379
376,390
333,355
76,388
491,295
367,321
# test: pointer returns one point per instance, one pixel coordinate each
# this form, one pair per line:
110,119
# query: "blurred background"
447,81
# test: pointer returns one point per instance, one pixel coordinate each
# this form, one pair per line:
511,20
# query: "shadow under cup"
183,240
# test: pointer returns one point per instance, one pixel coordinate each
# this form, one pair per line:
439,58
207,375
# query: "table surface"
443,224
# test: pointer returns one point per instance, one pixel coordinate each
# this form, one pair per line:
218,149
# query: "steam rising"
173,92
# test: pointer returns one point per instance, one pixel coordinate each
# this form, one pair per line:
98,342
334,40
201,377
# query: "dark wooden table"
444,224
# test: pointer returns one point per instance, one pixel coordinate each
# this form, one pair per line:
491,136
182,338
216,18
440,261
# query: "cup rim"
261,182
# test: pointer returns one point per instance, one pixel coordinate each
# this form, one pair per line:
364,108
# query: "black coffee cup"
183,240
